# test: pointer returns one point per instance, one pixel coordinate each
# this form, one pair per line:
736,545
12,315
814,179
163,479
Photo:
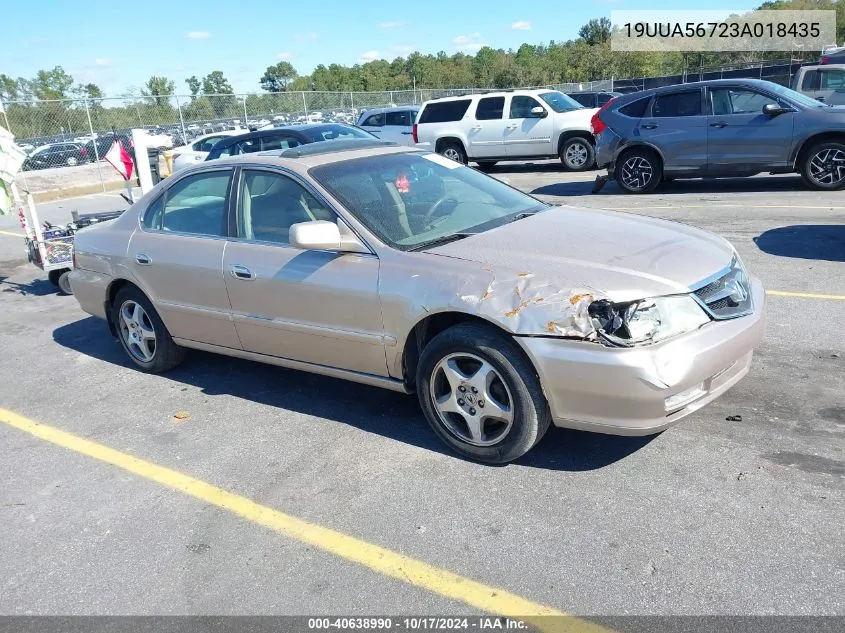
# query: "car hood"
617,255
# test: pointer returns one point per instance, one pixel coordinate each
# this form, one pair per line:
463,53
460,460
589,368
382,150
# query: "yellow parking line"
12,234
379,559
804,295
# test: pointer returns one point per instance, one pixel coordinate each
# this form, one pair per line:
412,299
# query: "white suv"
508,125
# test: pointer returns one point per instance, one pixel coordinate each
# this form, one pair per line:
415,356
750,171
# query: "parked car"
394,124
398,268
825,83
99,147
56,155
284,138
724,127
592,99
511,125
198,150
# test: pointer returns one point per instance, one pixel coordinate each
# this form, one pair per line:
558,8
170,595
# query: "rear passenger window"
635,109
376,120
444,111
677,104
810,81
402,118
490,108
196,205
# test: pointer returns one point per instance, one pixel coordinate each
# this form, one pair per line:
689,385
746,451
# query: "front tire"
481,395
577,154
823,166
453,151
638,171
142,333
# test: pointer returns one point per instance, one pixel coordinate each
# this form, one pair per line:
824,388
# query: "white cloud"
285,56
390,25
404,49
102,61
369,56
198,35
468,43
302,37
521,25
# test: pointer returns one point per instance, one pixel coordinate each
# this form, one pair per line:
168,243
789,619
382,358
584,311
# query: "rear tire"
481,395
71,161
823,166
163,354
453,151
63,282
638,171
578,154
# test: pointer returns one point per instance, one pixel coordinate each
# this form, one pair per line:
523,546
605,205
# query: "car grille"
728,295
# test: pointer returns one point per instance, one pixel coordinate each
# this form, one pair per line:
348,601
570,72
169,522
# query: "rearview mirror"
321,235
538,112
772,109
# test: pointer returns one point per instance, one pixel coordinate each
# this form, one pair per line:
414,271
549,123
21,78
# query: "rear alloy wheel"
71,161
63,282
824,166
453,151
142,332
638,171
481,395
577,154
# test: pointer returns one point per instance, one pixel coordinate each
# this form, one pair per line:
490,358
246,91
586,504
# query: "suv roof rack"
329,147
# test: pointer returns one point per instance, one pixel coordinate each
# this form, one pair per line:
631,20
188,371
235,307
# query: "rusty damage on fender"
526,305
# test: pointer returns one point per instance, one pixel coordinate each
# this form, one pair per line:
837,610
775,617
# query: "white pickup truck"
825,82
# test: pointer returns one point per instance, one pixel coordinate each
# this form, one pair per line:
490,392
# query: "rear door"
740,137
486,135
677,126
313,306
177,253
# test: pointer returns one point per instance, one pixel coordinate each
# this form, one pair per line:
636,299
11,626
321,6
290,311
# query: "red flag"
119,158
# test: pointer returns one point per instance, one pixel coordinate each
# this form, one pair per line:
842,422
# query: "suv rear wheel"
453,150
638,170
577,154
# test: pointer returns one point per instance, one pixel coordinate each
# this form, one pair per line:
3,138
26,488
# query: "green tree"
92,91
194,85
277,78
596,31
158,90
52,84
215,83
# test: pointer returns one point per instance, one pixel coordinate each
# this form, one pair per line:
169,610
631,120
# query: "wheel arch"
443,140
802,149
111,294
640,145
568,134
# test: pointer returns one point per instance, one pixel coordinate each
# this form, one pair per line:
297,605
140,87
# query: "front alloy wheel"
824,167
471,399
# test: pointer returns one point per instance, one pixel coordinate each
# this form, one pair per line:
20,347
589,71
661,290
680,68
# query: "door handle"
143,259
512,126
406,133
719,124
475,128
820,99
241,272
649,126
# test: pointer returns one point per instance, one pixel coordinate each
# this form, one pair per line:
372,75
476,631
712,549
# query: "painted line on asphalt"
12,234
728,205
804,295
379,559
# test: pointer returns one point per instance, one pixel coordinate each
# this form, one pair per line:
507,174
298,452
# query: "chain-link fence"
77,132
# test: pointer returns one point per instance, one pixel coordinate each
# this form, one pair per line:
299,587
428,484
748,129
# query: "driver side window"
521,106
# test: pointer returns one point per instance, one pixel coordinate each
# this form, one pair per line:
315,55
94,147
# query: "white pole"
181,120
142,160
305,106
246,118
94,143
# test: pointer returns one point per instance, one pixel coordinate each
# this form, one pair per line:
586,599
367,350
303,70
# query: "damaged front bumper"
643,390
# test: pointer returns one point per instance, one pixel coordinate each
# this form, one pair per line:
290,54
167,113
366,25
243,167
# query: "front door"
398,127
528,134
677,126
740,137
176,258
314,306
487,134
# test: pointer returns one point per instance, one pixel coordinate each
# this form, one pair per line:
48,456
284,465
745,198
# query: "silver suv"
725,127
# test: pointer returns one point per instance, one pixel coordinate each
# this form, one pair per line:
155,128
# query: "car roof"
326,153
273,132
634,96
493,93
413,106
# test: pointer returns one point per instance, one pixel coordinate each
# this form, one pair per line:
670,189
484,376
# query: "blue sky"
118,46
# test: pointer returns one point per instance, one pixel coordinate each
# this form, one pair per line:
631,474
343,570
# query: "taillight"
414,134
83,151
596,124
825,60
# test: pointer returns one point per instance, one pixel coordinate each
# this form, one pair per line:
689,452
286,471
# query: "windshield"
335,132
559,102
797,97
410,200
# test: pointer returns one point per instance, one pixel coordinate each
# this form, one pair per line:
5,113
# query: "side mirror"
772,109
321,235
538,112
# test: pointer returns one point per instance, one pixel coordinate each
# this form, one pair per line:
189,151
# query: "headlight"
646,321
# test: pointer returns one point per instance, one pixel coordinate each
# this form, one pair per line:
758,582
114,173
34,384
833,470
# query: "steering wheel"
435,208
